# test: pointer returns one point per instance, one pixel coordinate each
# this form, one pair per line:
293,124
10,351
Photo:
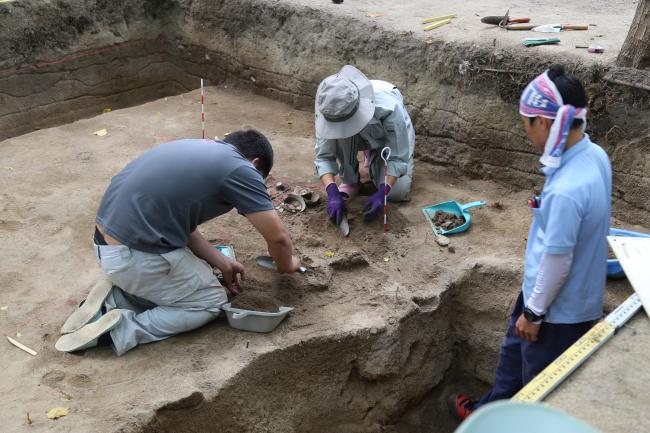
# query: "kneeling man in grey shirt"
160,280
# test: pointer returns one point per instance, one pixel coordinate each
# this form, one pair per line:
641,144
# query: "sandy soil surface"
407,17
51,182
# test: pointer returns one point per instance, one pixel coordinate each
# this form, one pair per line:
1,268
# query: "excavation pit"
384,325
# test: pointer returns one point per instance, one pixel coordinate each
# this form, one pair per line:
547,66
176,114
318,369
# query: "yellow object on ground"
101,132
57,412
440,18
437,24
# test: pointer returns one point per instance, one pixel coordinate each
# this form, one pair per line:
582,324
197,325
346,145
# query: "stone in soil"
255,302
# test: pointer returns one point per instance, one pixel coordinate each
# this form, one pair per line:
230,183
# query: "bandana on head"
541,98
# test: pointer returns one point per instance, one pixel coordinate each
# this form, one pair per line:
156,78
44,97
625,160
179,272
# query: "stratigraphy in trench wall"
363,381
70,59
351,383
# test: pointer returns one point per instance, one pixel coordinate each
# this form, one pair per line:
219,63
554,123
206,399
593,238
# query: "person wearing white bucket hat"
356,114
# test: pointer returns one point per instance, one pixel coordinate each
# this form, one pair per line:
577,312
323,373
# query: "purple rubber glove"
375,203
335,204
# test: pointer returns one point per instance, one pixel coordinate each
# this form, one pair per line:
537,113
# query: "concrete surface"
610,391
466,28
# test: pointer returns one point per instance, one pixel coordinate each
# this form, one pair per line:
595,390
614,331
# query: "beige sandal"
87,336
91,306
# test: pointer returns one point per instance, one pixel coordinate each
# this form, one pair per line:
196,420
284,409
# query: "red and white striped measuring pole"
385,154
202,112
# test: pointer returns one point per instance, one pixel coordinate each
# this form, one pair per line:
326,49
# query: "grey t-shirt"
159,198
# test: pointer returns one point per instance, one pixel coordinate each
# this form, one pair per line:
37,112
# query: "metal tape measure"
546,381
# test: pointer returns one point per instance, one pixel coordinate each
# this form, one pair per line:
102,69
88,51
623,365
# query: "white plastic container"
255,321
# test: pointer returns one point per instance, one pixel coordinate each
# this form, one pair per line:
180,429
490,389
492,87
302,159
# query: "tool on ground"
202,112
452,207
21,346
553,375
503,20
592,48
519,26
268,263
614,269
385,154
556,28
534,42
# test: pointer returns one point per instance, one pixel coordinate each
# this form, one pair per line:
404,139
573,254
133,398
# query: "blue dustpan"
452,207
614,269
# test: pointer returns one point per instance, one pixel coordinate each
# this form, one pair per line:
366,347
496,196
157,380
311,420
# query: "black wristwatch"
532,317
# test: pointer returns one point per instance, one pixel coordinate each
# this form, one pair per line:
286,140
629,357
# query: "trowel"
556,28
344,226
268,263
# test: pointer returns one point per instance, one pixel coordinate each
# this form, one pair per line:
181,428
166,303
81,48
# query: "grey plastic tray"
255,321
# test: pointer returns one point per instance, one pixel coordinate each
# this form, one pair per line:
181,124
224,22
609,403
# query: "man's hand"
233,273
526,330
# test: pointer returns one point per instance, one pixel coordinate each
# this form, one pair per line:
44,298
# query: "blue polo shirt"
574,215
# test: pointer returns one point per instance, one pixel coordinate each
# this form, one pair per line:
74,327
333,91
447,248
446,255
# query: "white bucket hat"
344,104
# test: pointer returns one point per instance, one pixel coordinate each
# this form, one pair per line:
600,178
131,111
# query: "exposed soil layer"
69,59
255,302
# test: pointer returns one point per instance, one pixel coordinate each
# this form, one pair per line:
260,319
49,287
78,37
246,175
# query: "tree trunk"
635,52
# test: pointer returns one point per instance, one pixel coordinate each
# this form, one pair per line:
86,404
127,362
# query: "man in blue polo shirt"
566,255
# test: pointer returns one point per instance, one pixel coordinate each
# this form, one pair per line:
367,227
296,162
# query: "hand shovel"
268,263
344,226
556,28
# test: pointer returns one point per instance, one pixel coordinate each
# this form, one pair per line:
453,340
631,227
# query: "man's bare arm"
278,240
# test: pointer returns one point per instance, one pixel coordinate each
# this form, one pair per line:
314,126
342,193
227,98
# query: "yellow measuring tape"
546,381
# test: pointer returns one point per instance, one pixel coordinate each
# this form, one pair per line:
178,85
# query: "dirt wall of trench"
69,59
364,381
